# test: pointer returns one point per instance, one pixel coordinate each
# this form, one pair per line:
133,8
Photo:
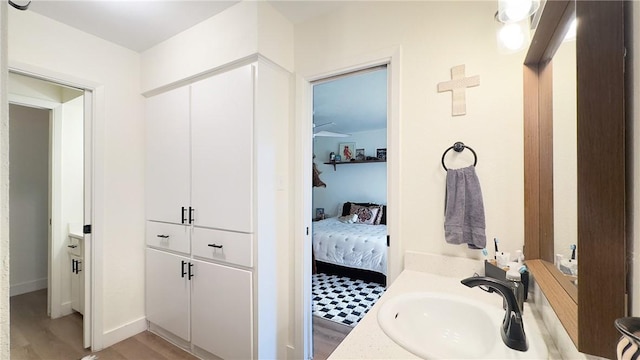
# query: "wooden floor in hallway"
34,336
327,335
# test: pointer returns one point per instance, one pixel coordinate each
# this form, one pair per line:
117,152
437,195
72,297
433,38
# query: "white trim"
302,221
32,102
29,286
97,171
125,331
55,194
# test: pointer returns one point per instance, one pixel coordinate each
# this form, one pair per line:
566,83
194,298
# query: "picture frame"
347,151
319,213
381,154
360,155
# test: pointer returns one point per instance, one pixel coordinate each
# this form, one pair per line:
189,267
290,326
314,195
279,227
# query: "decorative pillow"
366,214
382,214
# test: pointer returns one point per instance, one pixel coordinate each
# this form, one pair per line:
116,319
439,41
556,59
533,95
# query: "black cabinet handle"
73,266
72,246
182,267
163,236
191,219
190,272
183,215
215,246
78,269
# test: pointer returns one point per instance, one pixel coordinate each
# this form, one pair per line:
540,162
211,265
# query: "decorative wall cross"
457,85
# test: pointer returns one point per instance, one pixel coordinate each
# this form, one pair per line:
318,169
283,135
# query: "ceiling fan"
324,133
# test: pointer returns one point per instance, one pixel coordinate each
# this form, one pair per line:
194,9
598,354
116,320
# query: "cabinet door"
167,163
167,294
222,150
222,313
77,284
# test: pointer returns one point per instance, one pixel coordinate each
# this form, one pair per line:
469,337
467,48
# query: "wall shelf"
334,163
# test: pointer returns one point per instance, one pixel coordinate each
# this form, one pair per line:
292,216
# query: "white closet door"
222,150
167,165
168,292
222,310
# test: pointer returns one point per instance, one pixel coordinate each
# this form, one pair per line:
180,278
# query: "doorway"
60,137
349,201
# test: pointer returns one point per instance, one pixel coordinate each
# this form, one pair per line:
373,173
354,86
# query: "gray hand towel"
464,209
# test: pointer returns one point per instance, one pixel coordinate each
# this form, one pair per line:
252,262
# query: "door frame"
303,330
94,122
54,271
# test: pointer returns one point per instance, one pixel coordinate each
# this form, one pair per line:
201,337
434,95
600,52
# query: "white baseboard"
66,308
27,287
124,332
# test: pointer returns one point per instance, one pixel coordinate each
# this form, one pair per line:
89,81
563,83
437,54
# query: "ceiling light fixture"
510,11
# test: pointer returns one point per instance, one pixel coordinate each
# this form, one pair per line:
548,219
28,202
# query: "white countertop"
368,341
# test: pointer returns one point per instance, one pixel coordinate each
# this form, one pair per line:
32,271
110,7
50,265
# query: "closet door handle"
163,236
78,269
182,267
215,246
73,246
73,265
190,272
191,218
183,215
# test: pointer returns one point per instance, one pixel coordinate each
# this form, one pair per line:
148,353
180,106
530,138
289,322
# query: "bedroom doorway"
349,202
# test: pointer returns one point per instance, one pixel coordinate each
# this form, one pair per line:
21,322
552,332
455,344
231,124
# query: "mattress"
357,246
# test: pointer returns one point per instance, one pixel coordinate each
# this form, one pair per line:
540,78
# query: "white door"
167,162
167,295
222,150
222,310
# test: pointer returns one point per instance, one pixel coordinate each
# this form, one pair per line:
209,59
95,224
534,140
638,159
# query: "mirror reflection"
565,167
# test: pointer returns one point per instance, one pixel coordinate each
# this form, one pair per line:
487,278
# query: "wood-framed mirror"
588,311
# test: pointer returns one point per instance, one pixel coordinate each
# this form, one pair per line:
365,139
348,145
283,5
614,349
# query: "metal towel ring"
458,147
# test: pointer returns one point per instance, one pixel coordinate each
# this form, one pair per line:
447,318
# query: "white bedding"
352,245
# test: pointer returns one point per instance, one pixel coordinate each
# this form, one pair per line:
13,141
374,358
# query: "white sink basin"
444,326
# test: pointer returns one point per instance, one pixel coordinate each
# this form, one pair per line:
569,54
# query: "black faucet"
512,326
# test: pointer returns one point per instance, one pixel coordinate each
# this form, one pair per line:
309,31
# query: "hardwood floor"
327,335
34,336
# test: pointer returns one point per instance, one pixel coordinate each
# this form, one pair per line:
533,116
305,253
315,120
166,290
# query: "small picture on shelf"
337,158
347,151
319,213
381,154
360,154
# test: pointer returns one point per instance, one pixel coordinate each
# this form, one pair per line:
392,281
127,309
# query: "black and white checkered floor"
342,299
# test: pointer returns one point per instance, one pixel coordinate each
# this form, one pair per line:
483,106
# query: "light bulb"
516,10
511,36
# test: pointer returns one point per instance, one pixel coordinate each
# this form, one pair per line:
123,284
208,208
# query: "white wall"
359,182
434,37
4,188
29,198
217,41
40,43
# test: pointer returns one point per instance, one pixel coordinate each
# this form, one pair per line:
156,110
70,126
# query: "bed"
353,246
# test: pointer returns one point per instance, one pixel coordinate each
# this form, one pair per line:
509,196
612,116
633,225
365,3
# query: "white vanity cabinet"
222,299
168,292
76,253
212,149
